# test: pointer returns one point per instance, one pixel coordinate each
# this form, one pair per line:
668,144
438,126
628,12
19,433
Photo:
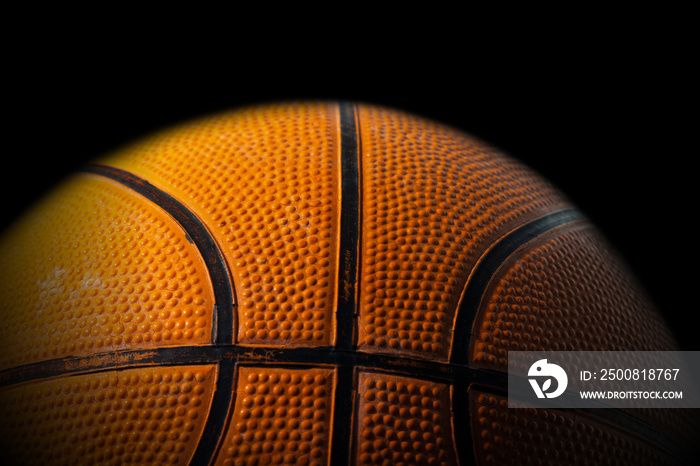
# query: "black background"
602,104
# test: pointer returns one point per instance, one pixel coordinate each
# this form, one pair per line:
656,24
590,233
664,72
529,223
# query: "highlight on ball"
311,283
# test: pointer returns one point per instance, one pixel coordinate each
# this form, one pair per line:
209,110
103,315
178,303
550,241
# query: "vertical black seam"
343,406
348,263
461,423
348,276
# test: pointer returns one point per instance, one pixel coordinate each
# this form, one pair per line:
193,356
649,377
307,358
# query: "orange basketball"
311,283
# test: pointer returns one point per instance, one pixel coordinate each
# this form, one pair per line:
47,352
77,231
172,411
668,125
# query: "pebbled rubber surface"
311,283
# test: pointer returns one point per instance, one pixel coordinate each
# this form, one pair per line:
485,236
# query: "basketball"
312,283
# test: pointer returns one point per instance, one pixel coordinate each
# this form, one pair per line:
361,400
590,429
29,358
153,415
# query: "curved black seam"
474,290
197,233
485,270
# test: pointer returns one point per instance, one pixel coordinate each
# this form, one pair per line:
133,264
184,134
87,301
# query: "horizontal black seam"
193,355
226,356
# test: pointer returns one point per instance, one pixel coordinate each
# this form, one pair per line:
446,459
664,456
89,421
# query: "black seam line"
343,405
211,440
348,275
223,318
487,267
194,355
462,423
348,259
226,356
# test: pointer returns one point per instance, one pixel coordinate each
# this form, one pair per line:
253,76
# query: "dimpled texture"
403,421
281,416
569,291
101,269
565,291
531,436
434,200
265,183
137,416
103,293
